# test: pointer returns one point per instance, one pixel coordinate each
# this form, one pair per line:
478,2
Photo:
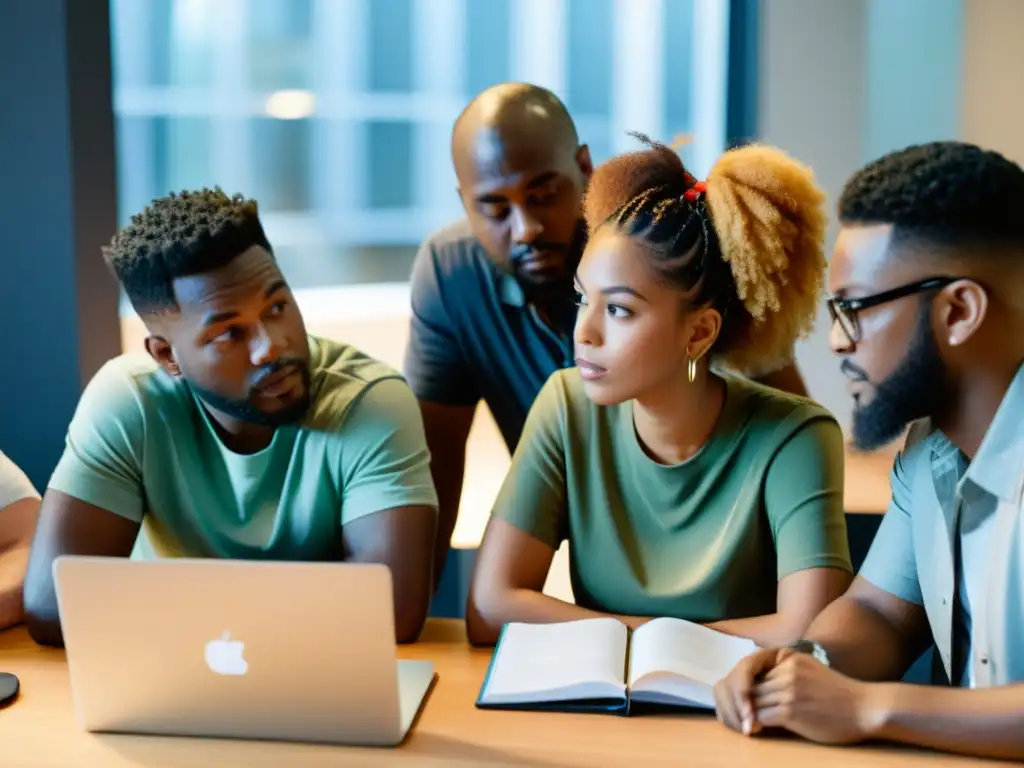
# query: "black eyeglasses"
844,311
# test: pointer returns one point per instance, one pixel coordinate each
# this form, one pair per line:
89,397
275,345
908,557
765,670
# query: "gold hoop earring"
691,369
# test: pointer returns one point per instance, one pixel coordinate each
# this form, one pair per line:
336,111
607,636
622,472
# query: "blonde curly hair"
749,240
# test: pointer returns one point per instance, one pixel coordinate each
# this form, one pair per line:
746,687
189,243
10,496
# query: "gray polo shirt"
474,336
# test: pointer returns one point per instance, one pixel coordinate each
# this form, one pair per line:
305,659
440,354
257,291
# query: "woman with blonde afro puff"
682,489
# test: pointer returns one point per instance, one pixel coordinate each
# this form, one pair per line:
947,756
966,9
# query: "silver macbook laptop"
240,649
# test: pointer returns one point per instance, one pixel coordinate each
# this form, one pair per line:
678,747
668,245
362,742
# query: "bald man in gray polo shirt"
493,306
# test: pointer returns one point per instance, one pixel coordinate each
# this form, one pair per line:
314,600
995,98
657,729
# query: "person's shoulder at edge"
106,439
784,413
341,375
917,447
368,419
132,382
14,483
771,417
564,398
768,404
918,441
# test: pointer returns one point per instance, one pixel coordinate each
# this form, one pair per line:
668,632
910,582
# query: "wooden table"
39,729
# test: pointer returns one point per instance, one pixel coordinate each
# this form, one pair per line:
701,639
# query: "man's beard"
558,283
245,410
915,390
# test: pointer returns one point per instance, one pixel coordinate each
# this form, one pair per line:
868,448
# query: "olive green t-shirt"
704,540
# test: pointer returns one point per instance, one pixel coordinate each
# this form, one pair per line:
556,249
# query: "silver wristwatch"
813,649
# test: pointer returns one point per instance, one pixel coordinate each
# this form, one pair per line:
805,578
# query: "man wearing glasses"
928,313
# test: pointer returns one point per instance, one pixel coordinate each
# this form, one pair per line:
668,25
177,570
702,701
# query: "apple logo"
224,656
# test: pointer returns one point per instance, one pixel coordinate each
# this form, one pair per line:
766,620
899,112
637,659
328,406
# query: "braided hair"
748,242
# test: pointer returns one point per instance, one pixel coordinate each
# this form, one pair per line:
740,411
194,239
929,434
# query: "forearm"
13,563
44,625
447,430
983,723
68,526
860,642
773,630
410,565
527,606
42,617
447,513
411,607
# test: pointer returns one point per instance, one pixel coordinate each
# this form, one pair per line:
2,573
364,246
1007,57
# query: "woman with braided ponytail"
683,490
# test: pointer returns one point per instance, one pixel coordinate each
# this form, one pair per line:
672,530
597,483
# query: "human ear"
160,350
583,160
960,310
704,330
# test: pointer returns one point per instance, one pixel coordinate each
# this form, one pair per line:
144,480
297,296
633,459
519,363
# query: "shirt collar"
945,454
999,463
509,290
511,293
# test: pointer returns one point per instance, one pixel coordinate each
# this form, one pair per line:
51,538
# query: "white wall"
914,73
810,103
842,82
993,60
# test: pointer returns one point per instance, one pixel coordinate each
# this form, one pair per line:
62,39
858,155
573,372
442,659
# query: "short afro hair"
945,193
183,234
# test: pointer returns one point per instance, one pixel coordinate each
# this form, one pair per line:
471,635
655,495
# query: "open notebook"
600,665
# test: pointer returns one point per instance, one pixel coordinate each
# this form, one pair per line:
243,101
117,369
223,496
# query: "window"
389,155
487,44
336,114
391,46
280,159
678,52
590,47
278,45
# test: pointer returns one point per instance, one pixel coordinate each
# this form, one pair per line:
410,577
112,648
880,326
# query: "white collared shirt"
975,531
941,506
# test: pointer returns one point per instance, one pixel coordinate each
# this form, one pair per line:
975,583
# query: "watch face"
812,649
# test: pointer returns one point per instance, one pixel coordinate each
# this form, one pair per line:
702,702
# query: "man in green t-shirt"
237,436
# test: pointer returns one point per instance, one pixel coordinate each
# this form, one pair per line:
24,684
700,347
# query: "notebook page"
549,662
683,648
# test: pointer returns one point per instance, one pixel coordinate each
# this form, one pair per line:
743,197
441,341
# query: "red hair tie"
694,192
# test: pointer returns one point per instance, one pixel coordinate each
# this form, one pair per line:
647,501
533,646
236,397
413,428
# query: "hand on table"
784,689
734,693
